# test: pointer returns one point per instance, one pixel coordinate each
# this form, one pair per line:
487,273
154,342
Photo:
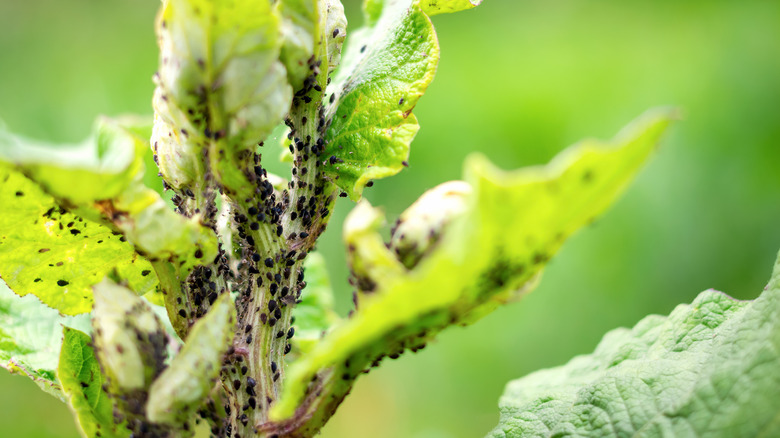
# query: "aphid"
269,262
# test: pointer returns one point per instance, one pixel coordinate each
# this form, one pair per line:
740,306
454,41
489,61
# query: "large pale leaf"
82,383
386,67
514,223
31,337
709,369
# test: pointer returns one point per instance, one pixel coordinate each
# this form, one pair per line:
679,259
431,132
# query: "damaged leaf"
386,67
489,255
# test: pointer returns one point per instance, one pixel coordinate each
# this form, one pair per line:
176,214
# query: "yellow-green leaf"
490,254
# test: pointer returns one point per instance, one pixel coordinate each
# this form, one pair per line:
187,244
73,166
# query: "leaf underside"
709,369
30,338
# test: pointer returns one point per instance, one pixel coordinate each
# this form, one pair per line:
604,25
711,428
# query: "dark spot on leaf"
62,283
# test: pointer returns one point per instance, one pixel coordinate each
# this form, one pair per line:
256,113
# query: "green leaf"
220,88
711,368
56,255
314,314
183,386
82,383
386,68
299,25
129,339
101,167
434,7
490,254
31,337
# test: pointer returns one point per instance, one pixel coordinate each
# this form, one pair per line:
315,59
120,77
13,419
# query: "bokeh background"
518,81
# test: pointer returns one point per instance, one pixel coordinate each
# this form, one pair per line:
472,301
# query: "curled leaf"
183,386
421,225
129,339
491,254
386,67
220,89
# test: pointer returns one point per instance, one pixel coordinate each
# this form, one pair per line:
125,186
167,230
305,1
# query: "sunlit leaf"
489,255
434,7
70,210
386,67
57,255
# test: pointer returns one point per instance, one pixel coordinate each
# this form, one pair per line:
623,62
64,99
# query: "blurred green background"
518,80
